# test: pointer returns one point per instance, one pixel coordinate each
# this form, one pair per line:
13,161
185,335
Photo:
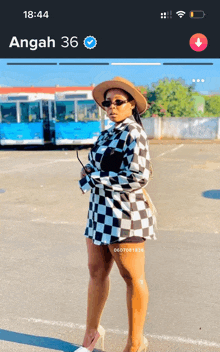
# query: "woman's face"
118,113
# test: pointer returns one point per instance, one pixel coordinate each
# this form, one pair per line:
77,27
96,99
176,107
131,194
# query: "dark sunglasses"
108,103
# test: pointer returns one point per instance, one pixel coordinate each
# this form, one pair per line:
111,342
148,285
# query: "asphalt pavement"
43,260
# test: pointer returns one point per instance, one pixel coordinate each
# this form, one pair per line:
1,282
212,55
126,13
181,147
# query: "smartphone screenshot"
109,181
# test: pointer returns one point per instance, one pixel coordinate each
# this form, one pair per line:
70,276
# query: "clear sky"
81,75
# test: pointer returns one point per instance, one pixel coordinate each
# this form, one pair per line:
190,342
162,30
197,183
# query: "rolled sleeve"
85,184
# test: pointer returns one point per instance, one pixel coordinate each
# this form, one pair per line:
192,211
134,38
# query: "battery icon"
197,14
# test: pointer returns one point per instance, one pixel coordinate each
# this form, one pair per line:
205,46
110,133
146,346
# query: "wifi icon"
180,13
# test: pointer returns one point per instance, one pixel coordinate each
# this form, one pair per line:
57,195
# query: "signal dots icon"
198,80
166,15
180,13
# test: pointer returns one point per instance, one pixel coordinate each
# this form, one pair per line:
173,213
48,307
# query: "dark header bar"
117,30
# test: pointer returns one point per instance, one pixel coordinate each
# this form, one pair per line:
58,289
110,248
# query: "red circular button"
198,42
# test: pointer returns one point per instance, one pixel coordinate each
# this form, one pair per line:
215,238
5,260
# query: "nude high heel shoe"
100,333
144,345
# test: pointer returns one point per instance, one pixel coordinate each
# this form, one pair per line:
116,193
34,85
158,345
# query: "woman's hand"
83,174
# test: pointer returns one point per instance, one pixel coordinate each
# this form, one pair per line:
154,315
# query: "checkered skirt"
120,164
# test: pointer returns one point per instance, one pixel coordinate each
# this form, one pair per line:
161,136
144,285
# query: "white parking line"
169,151
51,161
54,222
185,340
23,168
175,339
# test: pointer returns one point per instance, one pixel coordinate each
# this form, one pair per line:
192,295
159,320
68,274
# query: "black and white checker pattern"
117,208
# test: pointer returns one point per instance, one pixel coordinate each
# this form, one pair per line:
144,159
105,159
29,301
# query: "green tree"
171,98
212,105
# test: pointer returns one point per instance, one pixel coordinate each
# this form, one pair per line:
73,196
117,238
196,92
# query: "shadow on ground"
213,194
39,341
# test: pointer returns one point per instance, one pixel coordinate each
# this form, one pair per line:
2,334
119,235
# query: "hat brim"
99,91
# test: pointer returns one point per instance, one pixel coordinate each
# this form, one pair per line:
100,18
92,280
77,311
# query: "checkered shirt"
120,169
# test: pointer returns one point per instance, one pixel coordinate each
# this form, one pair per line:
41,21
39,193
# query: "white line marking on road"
181,230
53,222
169,151
60,160
76,222
26,167
57,323
185,340
176,339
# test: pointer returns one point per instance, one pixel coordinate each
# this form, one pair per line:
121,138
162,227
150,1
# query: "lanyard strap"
81,162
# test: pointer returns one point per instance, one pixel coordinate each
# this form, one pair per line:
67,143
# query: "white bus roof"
70,95
25,97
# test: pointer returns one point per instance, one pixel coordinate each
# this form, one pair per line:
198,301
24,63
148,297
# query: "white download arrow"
198,43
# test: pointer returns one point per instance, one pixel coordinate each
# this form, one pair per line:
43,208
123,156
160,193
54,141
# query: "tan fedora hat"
120,83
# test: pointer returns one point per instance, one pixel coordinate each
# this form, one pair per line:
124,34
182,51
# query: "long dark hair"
137,118
134,111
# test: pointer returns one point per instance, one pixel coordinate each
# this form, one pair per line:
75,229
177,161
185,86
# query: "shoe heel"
101,332
144,345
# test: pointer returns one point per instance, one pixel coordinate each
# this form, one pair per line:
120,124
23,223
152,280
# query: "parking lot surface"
44,274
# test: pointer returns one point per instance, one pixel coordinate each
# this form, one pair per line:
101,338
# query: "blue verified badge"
90,42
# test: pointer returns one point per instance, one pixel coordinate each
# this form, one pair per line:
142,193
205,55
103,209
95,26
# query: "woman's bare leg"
131,260
100,262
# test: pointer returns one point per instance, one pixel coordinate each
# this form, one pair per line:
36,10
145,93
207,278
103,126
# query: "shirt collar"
121,125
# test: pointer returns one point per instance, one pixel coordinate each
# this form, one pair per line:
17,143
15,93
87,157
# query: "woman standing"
120,218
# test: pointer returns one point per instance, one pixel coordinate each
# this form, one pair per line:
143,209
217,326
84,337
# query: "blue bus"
65,118
78,118
26,118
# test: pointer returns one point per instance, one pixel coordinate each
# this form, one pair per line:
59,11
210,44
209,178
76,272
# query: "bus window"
30,112
87,110
8,113
65,111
